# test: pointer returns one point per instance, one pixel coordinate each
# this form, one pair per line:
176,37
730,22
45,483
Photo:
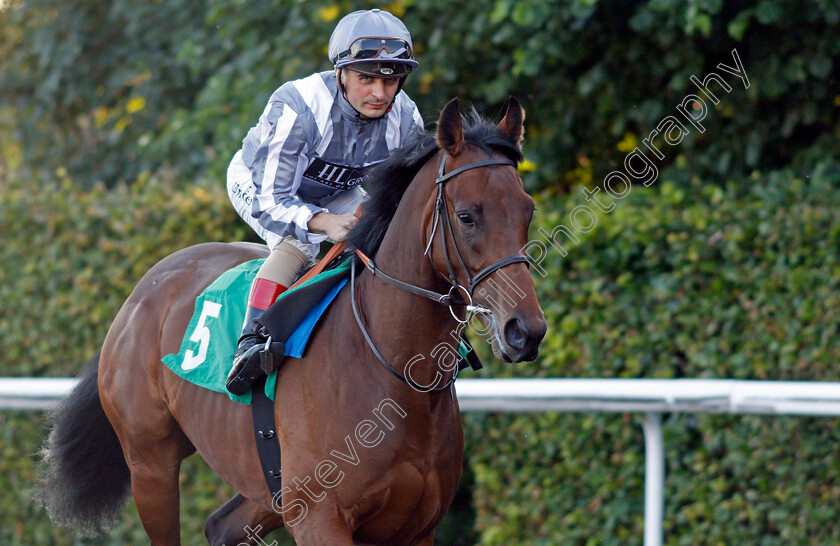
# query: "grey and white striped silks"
309,147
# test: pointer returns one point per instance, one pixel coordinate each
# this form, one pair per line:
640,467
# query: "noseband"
449,299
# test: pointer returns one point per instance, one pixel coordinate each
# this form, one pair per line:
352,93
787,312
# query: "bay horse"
366,458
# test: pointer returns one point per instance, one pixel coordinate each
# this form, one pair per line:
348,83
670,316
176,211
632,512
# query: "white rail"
33,392
652,397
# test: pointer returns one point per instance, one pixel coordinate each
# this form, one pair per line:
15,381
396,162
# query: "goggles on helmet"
377,48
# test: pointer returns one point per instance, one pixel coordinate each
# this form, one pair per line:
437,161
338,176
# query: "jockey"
297,179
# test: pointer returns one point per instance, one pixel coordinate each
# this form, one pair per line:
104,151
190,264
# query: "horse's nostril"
515,333
523,338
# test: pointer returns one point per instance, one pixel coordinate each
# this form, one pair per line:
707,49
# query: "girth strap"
265,433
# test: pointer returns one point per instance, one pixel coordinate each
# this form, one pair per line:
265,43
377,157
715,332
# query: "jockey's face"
370,96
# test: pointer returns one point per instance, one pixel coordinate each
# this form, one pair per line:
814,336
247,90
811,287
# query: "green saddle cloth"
212,335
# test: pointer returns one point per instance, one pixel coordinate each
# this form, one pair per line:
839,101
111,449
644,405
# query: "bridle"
450,298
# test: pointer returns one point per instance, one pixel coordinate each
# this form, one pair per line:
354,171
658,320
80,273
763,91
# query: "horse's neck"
407,327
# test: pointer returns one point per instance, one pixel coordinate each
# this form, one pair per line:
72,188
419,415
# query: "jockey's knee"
283,264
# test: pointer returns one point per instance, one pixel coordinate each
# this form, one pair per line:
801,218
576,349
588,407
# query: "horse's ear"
450,133
513,124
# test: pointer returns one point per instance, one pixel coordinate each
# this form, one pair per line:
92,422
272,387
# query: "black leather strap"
265,433
441,216
376,352
443,299
444,177
495,266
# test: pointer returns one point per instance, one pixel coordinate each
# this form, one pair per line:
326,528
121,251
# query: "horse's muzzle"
522,337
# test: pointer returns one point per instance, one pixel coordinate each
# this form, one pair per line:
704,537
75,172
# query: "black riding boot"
246,361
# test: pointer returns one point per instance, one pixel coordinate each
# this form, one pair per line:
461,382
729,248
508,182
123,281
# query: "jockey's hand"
335,226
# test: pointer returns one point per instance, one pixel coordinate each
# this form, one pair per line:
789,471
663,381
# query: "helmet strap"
339,73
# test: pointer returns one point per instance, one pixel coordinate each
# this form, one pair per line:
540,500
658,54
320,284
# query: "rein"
441,216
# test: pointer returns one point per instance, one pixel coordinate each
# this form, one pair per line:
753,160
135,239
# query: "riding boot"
246,361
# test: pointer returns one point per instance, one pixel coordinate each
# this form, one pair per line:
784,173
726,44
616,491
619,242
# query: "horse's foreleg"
240,521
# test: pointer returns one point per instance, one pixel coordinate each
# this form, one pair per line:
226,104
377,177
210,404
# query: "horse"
366,458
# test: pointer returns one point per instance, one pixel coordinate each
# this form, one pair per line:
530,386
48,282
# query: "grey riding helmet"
372,42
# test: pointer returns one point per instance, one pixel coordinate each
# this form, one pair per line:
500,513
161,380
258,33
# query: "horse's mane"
389,180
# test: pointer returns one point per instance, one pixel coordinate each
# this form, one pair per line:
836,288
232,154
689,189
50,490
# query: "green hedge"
685,279
726,268
71,257
24,523
109,90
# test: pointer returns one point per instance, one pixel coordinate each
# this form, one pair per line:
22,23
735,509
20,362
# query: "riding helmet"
373,42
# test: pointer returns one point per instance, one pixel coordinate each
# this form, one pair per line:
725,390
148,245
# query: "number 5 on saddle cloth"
211,337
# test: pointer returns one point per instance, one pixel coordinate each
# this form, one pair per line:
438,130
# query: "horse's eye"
466,219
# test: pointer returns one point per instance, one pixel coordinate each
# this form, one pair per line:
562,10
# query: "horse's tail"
84,480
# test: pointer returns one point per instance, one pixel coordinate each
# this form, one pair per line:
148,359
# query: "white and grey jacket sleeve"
275,151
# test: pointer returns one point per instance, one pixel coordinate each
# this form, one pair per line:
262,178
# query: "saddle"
283,318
